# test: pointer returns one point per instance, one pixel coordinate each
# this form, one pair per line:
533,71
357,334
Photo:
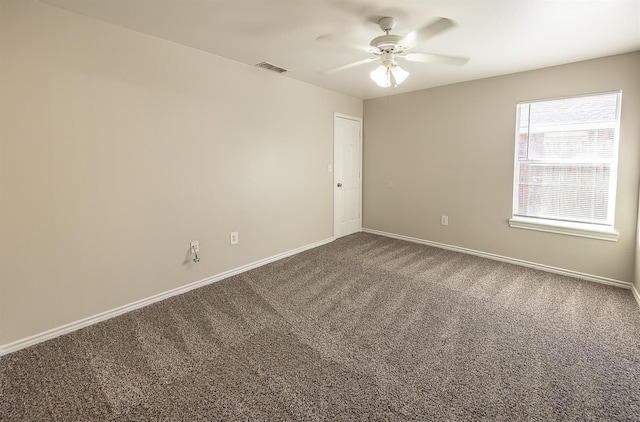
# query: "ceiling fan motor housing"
388,44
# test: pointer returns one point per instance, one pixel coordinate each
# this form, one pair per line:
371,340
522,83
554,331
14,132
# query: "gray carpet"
364,328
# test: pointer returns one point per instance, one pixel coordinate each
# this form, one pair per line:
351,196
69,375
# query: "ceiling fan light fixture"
380,76
399,74
389,74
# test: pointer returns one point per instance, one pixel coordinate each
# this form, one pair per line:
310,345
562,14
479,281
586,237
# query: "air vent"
271,67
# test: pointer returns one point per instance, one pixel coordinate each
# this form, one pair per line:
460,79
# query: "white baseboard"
76,325
547,268
635,294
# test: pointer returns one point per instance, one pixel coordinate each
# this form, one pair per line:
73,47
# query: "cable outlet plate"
444,220
194,246
234,238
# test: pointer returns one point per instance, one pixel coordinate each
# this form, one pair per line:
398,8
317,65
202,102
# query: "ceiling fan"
389,47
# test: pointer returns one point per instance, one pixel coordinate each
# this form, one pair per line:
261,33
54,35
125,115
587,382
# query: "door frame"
333,187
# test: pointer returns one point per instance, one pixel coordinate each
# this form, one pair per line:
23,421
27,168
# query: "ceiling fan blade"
349,65
430,30
335,39
435,58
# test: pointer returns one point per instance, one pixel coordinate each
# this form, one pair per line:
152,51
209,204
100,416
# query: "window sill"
559,227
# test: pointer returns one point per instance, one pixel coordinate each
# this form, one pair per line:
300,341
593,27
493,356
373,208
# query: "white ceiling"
499,36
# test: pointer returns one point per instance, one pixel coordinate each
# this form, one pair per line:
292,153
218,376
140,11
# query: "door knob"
339,185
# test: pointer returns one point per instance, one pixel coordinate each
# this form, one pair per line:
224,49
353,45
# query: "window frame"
588,230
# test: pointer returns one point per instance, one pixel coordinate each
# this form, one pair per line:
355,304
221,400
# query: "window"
566,165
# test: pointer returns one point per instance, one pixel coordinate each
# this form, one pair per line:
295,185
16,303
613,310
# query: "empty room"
319,210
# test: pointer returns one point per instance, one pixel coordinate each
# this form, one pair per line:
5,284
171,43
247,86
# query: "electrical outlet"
234,238
194,246
444,220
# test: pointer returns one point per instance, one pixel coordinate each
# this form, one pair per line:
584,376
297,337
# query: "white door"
347,185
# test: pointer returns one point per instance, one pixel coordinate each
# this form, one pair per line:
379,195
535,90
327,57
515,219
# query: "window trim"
593,231
565,227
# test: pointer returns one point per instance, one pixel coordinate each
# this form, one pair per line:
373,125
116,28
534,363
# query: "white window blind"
566,160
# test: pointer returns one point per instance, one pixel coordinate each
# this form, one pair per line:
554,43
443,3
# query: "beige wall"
118,149
450,150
